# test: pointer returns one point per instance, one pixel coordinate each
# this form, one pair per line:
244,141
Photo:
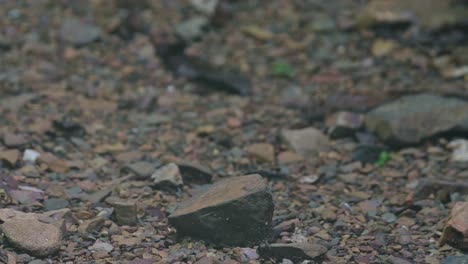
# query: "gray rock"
55,204
192,28
167,176
307,141
295,251
235,211
32,236
455,260
413,118
206,7
142,169
77,32
125,210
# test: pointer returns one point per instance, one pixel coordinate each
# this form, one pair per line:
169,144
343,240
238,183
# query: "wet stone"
235,211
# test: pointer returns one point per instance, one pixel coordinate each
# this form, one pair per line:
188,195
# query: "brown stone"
235,211
307,141
456,231
35,237
11,156
262,151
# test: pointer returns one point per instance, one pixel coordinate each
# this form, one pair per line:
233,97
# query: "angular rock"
192,173
125,211
142,169
11,156
307,141
235,211
30,155
55,204
92,225
344,124
33,236
262,151
413,118
456,231
455,260
191,28
14,140
77,32
167,176
206,7
295,251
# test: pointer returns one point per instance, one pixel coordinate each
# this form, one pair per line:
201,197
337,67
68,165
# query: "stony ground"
125,128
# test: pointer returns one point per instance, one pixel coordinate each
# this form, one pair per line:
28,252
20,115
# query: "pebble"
55,204
167,176
344,124
14,140
142,169
206,7
262,151
192,28
92,225
234,211
102,246
307,141
11,156
125,211
455,260
293,251
30,155
77,32
389,217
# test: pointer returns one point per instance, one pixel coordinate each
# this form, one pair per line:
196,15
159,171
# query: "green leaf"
283,69
383,158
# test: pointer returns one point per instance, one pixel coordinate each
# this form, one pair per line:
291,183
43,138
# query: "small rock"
455,260
389,217
192,173
32,236
142,169
295,251
307,141
206,7
30,155
460,150
257,33
367,153
91,226
77,32
102,246
288,157
14,140
344,124
235,211
310,179
192,28
55,204
456,231
11,156
413,118
382,47
125,211
167,176
262,151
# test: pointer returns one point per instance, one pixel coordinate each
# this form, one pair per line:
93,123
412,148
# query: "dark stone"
367,153
235,211
295,251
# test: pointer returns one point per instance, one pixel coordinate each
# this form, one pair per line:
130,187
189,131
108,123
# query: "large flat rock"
235,211
413,118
